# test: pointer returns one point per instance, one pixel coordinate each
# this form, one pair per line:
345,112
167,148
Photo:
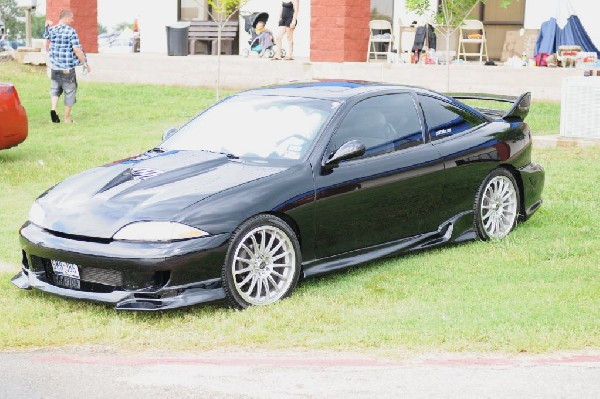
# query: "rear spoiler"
517,112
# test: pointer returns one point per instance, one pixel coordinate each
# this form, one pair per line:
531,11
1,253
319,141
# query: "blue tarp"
551,36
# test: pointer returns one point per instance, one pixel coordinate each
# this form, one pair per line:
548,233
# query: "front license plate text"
65,269
67,282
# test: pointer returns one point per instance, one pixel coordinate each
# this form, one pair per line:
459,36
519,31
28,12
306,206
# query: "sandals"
54,116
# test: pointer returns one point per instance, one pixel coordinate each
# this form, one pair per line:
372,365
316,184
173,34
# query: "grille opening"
91,279
94,279
161,278
108,277
146,280
38,264
81,238
147,296
24,260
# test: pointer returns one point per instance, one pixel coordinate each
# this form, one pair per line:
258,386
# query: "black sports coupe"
277,183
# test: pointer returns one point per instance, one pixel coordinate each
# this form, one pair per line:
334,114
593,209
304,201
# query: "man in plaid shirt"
65,54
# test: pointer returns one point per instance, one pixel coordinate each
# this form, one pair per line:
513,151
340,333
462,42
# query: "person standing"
65,53
287,24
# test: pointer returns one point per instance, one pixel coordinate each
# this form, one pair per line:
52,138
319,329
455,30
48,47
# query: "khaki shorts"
64,81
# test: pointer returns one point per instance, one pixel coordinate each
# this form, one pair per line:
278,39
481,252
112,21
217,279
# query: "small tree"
121,26
13,18
102,29
449,17
221,12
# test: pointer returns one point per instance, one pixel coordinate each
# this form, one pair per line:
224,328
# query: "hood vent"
145,173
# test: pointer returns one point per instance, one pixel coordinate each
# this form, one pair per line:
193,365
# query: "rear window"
445,119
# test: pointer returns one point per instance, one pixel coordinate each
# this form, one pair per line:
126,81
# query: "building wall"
538,11
153,22
340,31
85,19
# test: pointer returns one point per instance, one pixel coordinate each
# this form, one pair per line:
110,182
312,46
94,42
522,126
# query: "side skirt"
457,229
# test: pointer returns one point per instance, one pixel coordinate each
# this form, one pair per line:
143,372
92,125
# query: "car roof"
331,89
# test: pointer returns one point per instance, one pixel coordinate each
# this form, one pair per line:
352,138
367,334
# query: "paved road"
102,374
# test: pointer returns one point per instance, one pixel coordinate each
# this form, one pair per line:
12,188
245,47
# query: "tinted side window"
444,119
383,124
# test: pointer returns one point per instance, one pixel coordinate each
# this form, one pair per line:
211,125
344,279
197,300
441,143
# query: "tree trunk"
448,62
219,60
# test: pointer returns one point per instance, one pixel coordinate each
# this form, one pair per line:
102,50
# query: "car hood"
153,186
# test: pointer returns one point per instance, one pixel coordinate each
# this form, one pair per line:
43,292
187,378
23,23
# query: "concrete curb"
556,141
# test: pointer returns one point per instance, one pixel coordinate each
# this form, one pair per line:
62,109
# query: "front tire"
496,205
262,264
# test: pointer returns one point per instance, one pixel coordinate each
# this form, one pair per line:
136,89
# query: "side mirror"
168,133
349,150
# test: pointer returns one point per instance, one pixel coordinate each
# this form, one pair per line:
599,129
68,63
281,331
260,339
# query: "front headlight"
158,231
37,215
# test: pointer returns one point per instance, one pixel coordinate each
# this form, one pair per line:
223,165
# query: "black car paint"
99,202
343,215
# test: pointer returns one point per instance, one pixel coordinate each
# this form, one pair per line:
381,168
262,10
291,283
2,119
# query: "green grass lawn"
543,117
536,291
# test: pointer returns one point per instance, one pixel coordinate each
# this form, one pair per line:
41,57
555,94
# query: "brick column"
339,30
85,19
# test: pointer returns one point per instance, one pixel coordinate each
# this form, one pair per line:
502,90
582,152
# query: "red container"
13,117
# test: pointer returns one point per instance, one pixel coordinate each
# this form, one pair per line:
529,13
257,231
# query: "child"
263,36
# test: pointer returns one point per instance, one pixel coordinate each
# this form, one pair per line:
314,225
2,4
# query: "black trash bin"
177,38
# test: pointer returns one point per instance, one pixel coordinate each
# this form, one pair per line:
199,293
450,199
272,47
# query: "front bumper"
123,300
127,275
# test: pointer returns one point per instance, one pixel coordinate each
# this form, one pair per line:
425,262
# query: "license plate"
65,269
67,282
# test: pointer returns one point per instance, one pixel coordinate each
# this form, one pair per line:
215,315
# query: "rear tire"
262,264
245,52
496,205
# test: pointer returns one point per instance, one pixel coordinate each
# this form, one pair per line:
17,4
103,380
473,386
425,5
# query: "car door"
392,191
467,145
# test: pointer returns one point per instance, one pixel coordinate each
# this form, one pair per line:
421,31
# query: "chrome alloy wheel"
263,266
499,207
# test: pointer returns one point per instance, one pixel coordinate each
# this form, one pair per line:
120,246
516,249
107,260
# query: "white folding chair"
472,27
379,29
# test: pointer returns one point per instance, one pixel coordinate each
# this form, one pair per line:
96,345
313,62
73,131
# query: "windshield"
268,127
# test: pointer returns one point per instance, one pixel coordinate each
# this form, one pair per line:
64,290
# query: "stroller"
250,21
